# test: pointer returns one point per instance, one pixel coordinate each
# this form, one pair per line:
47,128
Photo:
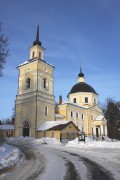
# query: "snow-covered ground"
27,140
10,155
94,144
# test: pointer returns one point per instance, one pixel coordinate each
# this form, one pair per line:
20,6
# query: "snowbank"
28,140
48,140
21,140
94,144
9,156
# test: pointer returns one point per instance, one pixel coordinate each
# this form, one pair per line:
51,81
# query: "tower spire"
37,34
80,74
37,41
80,69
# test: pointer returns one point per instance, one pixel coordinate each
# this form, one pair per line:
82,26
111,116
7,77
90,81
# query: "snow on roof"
6,127
99,118
32,60
23,63
72,103
51,124
59,115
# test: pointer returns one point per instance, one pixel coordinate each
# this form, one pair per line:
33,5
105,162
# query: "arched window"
71,113
27,83
74,100
40,55
26,128
33,54
86,99
77,115
45,83
82,116
94,101
46,111
45,69
26,124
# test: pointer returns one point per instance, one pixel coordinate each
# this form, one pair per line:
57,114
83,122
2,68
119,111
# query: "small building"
62,130
7,131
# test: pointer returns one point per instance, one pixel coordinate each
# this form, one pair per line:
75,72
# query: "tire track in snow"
95,171
71,171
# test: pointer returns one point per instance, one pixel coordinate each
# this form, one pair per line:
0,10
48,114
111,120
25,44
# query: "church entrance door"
26,128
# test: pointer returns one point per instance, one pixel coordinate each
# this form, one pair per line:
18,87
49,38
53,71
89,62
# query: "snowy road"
43,162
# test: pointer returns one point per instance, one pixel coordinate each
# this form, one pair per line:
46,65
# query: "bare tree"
4,51
7,121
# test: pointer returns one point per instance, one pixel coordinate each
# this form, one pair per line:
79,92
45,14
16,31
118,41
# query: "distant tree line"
112,114
7,121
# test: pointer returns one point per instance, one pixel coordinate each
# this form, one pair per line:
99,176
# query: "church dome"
82,87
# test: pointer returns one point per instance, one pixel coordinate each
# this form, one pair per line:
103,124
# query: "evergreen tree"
112,114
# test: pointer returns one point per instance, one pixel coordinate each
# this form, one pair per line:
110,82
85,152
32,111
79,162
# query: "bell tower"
35,102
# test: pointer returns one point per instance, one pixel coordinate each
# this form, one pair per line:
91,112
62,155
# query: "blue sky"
73,32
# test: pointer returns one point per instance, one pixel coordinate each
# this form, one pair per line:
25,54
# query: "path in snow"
43,162
29,168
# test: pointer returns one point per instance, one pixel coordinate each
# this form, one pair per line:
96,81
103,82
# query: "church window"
71,113
82,116
74,100
33,54
46,111
45,83
27,83
40,55
26,124
45,69
86,99
94,101
76,115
